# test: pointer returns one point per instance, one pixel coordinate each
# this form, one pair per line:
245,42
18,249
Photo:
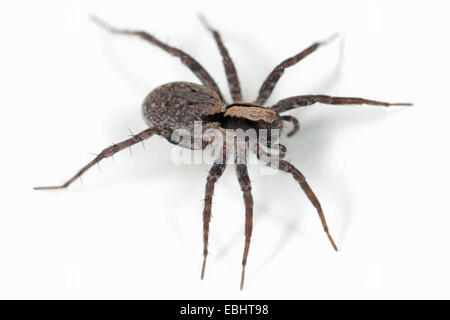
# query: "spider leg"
186,59
272,79
213,176
285,166
303,101
294,122
109,152
246,187
230,70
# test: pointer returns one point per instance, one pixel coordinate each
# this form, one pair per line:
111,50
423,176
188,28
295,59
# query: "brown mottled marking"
179,104
252,113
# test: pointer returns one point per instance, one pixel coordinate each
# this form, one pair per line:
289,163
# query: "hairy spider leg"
286,166
246,187
302,101
272,79
213,176
298,176
230,70
186,59
110,151
294,122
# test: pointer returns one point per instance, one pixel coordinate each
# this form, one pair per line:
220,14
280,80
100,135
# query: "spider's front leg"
307,100
110,151
272,79
230,69
185,58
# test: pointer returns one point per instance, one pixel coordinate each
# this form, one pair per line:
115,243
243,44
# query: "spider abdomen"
177,105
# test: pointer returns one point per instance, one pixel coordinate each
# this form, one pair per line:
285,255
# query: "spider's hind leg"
214,174
300,178
246,187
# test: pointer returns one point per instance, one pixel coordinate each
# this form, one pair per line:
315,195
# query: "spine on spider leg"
110,151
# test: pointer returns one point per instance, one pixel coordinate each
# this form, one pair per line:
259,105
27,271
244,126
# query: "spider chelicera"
178,105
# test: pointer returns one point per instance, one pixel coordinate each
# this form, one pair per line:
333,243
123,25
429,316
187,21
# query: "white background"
134,230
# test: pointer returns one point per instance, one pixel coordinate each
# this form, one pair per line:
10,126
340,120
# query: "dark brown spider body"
178,105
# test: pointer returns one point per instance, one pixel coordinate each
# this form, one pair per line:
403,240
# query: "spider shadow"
311,151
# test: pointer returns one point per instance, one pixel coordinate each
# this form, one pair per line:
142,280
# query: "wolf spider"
178,105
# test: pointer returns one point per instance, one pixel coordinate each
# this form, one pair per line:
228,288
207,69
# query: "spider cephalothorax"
181,105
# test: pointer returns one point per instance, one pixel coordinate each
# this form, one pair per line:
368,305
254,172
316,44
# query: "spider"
178,105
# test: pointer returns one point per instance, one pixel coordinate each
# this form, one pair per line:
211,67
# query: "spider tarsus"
396,104
103,24
404,104
100,22
332,241
242,277
205,23
203,267
49,187
330,39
